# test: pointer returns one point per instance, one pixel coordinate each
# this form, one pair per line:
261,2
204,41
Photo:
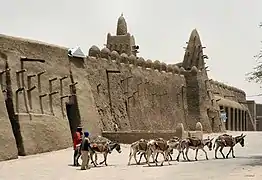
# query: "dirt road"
56,166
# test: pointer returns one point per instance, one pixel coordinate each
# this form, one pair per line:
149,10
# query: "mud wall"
228,92
45,127
107,91
128,137
230,97
141,98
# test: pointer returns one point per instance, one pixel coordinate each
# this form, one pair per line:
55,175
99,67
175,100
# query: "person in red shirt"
77,140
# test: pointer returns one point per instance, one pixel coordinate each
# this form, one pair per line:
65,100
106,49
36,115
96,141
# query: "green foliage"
256,74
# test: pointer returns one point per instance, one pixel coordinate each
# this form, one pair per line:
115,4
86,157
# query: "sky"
227,28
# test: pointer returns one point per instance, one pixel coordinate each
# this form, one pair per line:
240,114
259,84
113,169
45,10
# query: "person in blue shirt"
85,151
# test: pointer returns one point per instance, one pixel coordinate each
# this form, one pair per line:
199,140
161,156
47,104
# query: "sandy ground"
57,166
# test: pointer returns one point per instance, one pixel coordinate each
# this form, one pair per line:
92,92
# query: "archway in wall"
239,120
246,121
72,117
227,113
243,120
232,119
235,119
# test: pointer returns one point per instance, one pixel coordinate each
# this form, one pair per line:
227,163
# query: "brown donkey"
195,144
226,140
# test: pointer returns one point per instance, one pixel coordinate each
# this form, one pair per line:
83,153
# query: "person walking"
85,151
77,140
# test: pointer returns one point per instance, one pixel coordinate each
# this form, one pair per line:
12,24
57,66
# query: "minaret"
122,42
194,52
121,26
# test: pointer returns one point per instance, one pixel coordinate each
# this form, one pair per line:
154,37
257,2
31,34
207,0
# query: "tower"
122,42
194,52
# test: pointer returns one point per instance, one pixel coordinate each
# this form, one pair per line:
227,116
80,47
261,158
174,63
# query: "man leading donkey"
85,149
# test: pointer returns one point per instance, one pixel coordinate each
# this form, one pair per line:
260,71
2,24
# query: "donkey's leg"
205,153
229,152
134,154
148,157
96,158
183,155
233,154
153,157
105,157
170,156
196,154
145,156
104,161
92,160
164,158
156,157
221,151
168,159
187,149
141,155
130,156
140,158
179,152
216,151
165,154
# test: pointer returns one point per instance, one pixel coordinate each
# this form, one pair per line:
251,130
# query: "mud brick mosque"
47,92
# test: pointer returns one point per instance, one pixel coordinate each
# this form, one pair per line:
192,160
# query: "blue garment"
86,134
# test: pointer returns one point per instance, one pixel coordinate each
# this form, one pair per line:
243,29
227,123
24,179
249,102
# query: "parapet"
114,55
132,60
157,65
162,67
230,88
141,62
149,64
124,58
105,53
94,51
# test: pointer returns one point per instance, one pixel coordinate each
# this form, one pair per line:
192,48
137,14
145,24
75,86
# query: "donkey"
173,143
144,151
195,144
105,149
139,146
226,140
157,146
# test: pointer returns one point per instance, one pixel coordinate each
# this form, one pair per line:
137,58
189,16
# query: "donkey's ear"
211,139
241,135
244,136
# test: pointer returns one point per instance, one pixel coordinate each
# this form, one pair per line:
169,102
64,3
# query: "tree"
256,74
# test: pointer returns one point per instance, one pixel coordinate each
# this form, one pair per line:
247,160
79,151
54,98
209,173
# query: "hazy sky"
228,29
